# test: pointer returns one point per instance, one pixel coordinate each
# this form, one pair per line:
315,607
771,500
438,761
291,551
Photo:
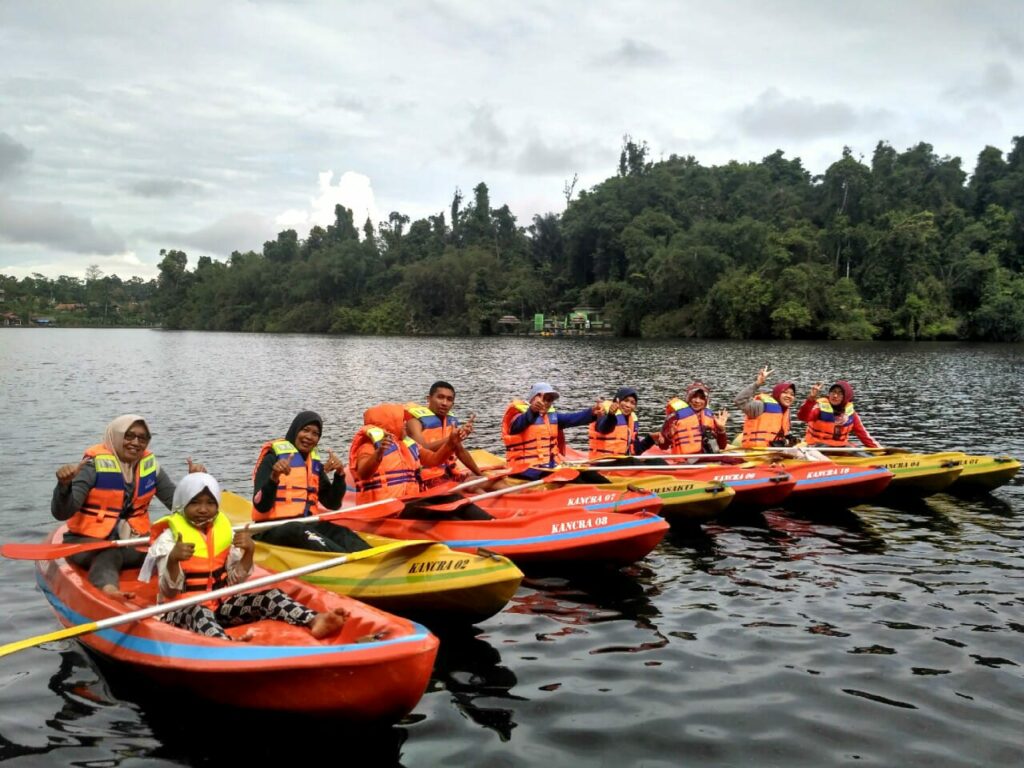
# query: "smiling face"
307,438
836,396
627,405
787,396
201,510
135,440
698,401
441,401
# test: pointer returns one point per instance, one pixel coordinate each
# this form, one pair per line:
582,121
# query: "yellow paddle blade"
29,642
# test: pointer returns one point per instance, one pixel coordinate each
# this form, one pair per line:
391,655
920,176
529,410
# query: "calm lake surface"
874,636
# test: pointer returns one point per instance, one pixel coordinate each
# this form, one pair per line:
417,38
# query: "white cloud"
353,191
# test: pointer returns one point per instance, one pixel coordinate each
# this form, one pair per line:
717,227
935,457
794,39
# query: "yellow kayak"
985,473
921,474
429,581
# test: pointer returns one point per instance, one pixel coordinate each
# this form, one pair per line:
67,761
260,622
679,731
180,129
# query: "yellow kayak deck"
918,473
426,581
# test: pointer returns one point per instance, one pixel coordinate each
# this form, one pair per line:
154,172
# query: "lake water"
874,636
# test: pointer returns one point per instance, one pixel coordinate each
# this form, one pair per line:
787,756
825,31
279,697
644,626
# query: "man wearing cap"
767,417
615,433
691,427
533,432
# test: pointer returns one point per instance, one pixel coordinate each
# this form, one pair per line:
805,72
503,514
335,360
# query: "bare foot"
328,623
246,636
113,591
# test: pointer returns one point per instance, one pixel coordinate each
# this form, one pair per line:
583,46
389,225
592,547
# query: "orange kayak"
376,668
574,524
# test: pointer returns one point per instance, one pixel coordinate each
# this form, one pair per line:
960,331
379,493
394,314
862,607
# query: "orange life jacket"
827,428
618,442
103,505
297,492
434,428
685,429
771,425
541,444
397,475
206,570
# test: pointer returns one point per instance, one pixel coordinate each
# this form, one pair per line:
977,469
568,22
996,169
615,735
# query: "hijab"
305,418
113,439
191,486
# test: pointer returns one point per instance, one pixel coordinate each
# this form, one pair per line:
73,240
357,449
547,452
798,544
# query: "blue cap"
542,388
624,392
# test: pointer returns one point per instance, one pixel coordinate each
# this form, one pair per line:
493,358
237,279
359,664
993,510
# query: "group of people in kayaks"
399,452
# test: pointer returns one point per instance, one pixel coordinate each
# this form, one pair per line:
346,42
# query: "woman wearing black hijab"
290,479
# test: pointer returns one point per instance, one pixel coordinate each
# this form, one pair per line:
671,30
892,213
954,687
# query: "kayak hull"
683,499
918,474
376,668
430,583
828,482
572,525
985,473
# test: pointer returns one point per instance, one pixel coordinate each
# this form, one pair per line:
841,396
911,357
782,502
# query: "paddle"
245,586
563,475
646,468
45,551
855,448
664,457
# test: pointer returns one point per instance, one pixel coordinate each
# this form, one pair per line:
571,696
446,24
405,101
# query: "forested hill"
901,246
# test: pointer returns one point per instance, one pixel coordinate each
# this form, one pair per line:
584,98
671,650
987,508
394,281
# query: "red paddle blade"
379,511
19,551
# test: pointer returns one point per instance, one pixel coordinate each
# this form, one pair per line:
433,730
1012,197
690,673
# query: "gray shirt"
68,499
745,401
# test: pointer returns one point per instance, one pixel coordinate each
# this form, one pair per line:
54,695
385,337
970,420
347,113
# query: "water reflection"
89,713
470,669
192,731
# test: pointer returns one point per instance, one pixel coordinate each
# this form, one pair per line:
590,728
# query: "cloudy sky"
127,127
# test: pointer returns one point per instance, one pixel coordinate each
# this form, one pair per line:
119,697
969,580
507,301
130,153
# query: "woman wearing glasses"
106,496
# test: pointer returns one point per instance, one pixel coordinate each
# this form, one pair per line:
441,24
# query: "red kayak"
376,668
834,483
574,524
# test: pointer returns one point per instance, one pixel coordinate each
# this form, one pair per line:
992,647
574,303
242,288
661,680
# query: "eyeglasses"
135,437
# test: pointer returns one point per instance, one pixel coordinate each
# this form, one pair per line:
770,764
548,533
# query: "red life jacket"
206,570
685,427
618,442
541,444
103,505
772,424
828,428
397,475
298,492
434,428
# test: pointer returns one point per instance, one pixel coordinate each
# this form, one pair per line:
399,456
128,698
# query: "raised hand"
68,472
333,463
763,374
281,467
721,418
243,540
195,467
181,551
815,389
598,409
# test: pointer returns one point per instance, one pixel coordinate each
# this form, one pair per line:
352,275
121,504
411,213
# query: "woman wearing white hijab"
107,495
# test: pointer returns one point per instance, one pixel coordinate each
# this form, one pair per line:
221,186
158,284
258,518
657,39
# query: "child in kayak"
195,550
